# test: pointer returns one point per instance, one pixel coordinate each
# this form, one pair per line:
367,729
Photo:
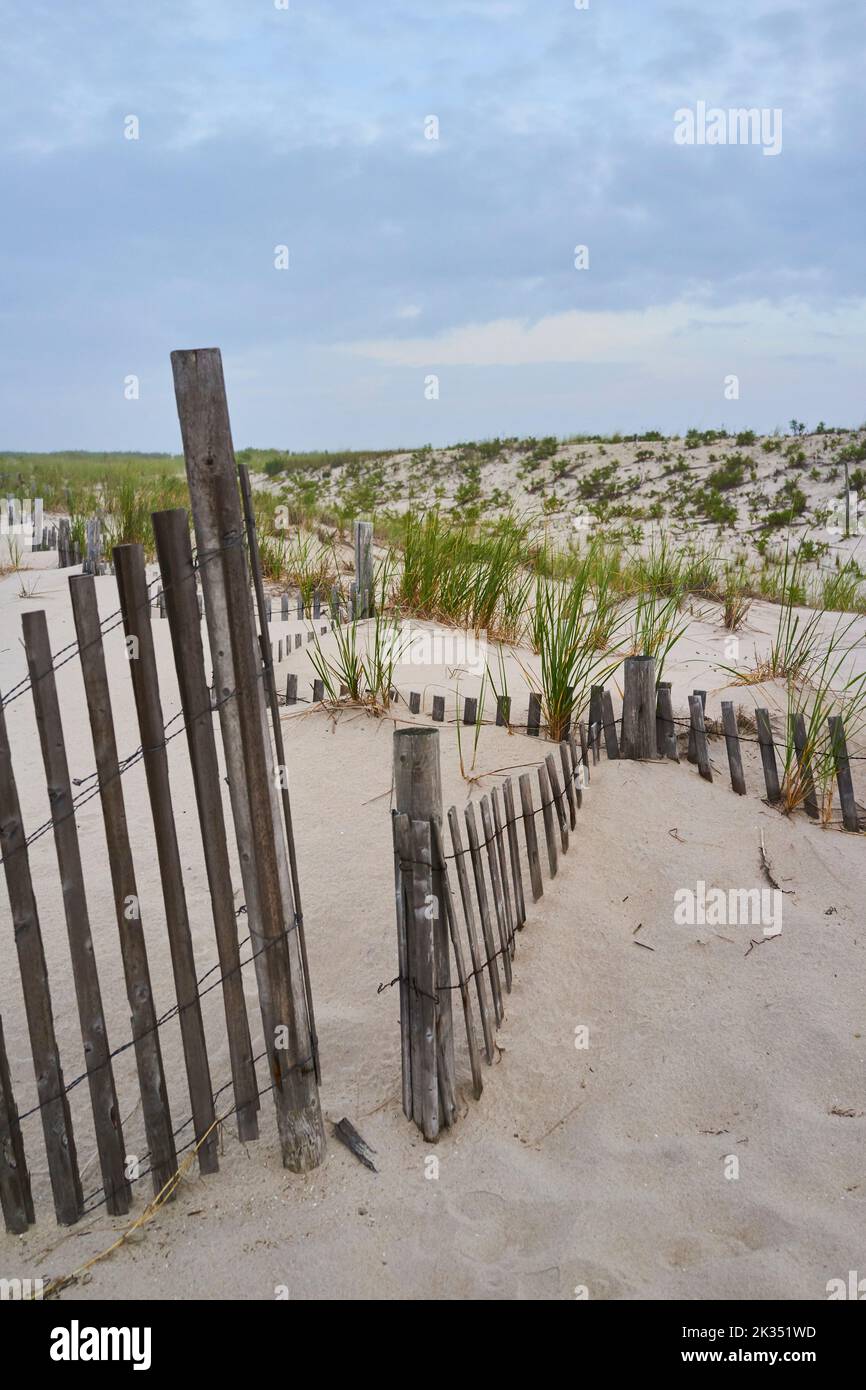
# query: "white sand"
602,1167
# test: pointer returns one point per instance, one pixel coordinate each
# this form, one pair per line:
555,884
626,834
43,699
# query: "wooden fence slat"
529,830
496,888
133,947
503,710
132,586
666,729
403,971
546,793
553,778
584,749
579,773
596,712
611,743
53,1101
850,815
475,952
732,743
768,755
514,851
533,718
804,764
16,1198
88,996
363,540
459,960
414,702
510,912
566,754
174,551
692,751
699,733
439,708
484,911
470,710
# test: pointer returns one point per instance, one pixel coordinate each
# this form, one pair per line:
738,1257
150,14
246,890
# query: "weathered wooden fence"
477,933
261,820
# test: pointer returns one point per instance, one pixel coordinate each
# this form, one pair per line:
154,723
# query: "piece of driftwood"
347,1134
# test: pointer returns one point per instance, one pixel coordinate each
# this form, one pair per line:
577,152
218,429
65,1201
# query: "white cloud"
676,330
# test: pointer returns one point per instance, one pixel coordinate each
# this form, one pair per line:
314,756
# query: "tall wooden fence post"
212,476
418,796
639,708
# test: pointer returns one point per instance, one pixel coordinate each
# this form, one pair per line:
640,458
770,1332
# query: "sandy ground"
605,1168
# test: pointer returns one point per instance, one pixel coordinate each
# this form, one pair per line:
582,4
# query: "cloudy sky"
264,124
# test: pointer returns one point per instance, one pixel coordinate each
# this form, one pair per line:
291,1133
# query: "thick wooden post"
174,552
15,1195
363,537
639,708
134,603
94,1034
418,795
127,911
212,477
53,1101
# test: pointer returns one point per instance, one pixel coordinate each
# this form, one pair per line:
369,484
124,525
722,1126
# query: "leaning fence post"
699,734
691,753
417,784
212,477
732,744
850,816
638,738
15,1195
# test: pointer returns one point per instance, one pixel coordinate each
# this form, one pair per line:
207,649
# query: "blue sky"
410,257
